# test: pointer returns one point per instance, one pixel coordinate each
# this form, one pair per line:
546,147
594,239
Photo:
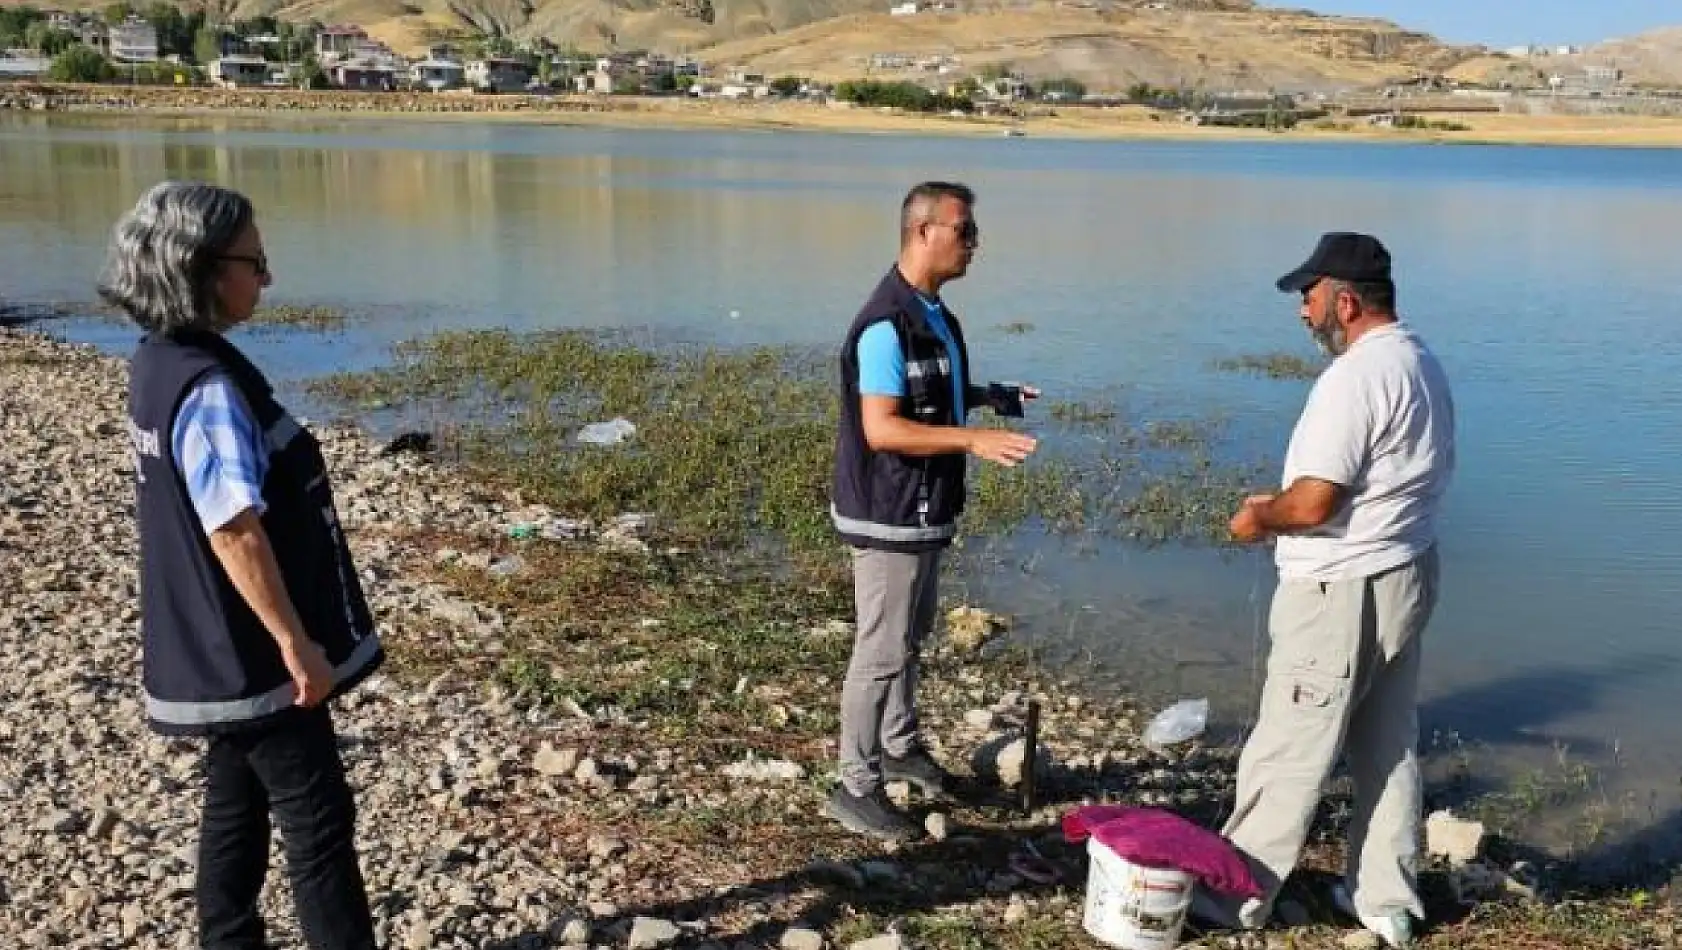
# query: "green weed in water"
1274,365
736,447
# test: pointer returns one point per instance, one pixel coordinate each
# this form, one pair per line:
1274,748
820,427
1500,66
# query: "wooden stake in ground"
1030,755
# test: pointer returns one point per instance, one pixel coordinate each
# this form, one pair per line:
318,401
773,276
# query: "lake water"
1542,277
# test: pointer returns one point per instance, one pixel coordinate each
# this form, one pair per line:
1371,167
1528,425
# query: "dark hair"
922,197
162,264
1376,295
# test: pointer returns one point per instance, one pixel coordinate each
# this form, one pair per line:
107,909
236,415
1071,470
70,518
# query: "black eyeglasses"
258,262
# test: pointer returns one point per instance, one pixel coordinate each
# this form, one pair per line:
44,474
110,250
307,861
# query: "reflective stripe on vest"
253,707
889,532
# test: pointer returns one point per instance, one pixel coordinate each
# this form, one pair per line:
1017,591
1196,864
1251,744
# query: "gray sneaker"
871,815
919,769
1394,928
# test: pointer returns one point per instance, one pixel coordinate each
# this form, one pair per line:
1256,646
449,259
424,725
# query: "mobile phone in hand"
1006,400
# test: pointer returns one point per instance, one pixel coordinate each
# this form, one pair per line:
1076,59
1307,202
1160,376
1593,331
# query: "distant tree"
967,88
47,41
901,95
787,86
81,64
118,12
15,23
1068,88
311,75
627,86
207,44
663,83
174,37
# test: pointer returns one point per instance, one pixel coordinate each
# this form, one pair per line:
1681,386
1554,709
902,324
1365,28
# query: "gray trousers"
895,596
1342,676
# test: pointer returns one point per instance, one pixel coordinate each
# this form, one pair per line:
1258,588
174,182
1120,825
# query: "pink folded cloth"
1153,838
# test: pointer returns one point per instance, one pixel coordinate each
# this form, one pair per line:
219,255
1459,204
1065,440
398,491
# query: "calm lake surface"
1543,277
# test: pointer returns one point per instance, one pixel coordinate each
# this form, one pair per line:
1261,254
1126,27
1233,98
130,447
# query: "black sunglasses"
967,231
258,262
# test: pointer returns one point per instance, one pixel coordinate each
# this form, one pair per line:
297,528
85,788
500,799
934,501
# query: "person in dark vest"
900,458
252,617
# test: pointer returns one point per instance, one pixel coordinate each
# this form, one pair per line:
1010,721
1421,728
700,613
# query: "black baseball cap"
1341,255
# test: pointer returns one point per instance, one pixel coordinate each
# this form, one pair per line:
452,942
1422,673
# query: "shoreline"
1081,123
534,807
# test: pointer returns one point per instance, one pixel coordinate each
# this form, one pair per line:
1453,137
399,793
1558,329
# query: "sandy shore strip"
491,819
677,113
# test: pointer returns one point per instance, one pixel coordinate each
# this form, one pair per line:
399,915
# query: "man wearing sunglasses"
898,491
1356,529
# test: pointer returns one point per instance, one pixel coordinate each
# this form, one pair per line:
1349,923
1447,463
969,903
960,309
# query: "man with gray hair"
900,459
1356,528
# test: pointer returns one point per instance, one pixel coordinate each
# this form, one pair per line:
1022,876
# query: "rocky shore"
494,817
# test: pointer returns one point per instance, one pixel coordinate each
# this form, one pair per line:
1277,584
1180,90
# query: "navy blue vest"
209,665
885,500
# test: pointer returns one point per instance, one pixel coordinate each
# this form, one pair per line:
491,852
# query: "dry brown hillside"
1654,57
1222,49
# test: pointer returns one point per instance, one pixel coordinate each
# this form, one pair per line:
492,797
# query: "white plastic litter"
1184,720
611,432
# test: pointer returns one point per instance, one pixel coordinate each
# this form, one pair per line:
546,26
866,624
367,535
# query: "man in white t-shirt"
1356,530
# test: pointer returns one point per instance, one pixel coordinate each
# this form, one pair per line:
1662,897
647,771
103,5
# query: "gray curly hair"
164,255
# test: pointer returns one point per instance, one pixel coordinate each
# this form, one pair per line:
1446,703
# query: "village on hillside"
162,45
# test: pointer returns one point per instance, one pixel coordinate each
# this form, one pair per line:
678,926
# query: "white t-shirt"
1380,422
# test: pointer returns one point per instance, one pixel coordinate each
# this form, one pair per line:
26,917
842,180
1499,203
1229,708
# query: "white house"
135,40
240,69
909,8
437,73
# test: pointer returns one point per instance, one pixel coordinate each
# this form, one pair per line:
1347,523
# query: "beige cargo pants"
1342,677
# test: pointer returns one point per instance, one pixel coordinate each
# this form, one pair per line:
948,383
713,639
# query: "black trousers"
293,771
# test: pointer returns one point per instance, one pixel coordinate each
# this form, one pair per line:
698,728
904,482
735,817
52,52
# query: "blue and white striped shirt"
220,452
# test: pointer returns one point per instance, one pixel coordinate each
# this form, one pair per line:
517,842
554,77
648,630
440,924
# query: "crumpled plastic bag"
611,432
1153,838
1178,723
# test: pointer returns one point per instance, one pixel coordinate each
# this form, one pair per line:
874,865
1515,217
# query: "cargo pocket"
1311,656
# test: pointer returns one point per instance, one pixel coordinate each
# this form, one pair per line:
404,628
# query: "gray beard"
1331,338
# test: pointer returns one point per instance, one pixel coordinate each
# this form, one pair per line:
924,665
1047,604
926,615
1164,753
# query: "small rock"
60,822
587,771
1453,838
1362,940
647,933
419,936
551,762
131,920
799,938
765,770
967,628
103,824
981,719
937,825
573,930
1016,911
606,847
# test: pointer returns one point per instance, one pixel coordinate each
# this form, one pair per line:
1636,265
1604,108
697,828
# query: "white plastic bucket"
1133,907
